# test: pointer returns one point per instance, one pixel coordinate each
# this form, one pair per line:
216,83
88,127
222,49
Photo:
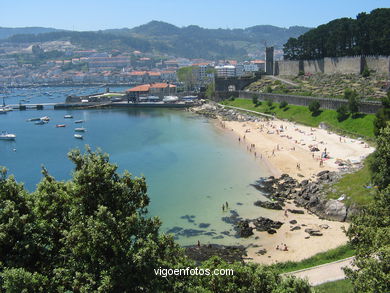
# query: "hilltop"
164,38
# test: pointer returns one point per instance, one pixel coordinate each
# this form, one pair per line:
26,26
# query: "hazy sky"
95,14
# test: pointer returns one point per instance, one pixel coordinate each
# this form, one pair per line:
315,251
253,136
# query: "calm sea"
192,167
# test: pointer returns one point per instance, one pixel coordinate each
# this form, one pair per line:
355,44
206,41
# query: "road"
324,273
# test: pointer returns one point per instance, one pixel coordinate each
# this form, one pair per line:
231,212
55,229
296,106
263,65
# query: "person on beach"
321,163
227,205
285,213
239,139
198,243
285,248
223,207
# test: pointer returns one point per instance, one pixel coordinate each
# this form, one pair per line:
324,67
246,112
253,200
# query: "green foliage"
187,76
369,231
210,90
268,89
381,163
283,104
365,35
366,72
255,99
383,115
314,107
232,98
269,102
342,113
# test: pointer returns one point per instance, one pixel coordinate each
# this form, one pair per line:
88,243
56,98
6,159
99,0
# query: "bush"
342,113
283,104
301,73
314,106
255,99
366,72
232,98
269,102
269,89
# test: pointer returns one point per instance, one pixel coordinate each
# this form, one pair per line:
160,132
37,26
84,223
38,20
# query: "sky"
84,15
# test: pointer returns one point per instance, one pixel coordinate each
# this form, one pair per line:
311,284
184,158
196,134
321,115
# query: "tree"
269,102
314,107
366,72
283,104
369,231
342,113
255,100
187,76
92,234
210,90
383,115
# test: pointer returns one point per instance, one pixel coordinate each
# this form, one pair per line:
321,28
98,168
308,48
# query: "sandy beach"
285,147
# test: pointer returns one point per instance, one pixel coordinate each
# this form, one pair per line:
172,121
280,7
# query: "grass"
353,185
362,125
331,255
342,286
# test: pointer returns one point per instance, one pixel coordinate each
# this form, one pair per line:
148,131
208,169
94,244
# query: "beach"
286,148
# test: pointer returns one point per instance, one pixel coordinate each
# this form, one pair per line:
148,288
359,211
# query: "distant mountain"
6,32
190,41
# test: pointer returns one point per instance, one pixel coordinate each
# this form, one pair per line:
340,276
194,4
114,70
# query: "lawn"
342,286
331,255
354,186
362,125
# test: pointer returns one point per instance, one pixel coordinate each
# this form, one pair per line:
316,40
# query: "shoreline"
280,146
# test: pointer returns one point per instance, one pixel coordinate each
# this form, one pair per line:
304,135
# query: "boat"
6,109
34,119
68,116
60,125
45,118
7,136
2,111
40,122
80,129
78,136
79,121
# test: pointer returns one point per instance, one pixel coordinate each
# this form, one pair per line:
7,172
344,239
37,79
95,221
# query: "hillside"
6,32
160,37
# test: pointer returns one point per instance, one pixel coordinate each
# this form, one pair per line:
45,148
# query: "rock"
295,228
268,205
262,251
307,237
313,232
243,229
324,226
293,222
271,231
304,182
322,173
204,225
296,211
265,224
335,210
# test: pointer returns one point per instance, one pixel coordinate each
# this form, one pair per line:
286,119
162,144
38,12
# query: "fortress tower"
269,60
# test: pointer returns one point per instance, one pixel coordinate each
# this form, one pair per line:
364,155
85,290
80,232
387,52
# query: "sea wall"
331,65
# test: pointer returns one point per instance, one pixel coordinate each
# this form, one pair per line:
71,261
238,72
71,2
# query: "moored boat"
68,116
7,136
34,119
45,118
79,121
40,122
78,136
60,125
80,129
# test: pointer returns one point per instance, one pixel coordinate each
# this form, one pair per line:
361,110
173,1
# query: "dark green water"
192,167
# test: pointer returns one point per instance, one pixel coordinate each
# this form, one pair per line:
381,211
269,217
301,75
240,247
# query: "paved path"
284,80
249,111
324,273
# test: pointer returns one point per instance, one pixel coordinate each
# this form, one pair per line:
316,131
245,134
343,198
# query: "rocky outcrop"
242,228
265,224
203,252
269,205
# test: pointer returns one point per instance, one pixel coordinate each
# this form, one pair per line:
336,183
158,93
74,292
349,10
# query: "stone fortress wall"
331,65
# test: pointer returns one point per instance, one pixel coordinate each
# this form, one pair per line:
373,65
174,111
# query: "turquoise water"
192,167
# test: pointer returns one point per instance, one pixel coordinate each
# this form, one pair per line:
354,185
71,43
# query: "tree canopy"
92,234
368,34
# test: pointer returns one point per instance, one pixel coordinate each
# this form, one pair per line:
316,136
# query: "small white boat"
78,136
2,111
7,136
79,121
80,129
34,119
68,116
40,122
45,118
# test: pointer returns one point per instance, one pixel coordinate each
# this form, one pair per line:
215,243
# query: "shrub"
342,113
255,99
269,102
232,98
283,104
366,72
269,89
314,106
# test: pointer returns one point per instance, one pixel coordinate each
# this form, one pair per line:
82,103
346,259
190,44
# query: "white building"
226,71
